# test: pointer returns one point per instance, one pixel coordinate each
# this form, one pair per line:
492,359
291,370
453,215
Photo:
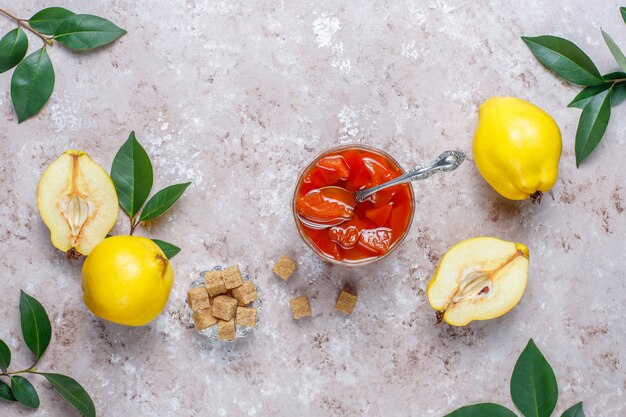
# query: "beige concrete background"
236,96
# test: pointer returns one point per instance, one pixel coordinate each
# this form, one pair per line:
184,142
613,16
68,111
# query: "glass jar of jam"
357,235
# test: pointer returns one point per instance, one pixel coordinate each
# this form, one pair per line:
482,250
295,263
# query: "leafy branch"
601,92
33,79
37,332
132,176
533,389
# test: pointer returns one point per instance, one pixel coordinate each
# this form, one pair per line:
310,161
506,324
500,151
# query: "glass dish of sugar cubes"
224,303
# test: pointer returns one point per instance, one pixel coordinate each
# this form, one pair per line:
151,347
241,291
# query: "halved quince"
77,201
478,279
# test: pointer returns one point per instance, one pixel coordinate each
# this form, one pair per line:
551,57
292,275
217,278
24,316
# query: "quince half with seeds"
77,202
478,279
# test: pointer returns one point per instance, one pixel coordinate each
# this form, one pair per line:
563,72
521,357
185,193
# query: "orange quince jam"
317,207
375,225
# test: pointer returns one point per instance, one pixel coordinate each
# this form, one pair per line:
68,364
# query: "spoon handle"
446,162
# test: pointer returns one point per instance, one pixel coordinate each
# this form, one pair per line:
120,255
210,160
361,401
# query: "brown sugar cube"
232,277
245,294
246,316
214,283
284,267
224,307
203,319
300,307
198,298
226,329
346,302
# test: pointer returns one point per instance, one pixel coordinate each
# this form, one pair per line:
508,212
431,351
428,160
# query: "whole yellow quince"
517,147
127,280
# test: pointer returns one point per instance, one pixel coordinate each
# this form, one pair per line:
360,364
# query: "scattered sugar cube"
246,316
214,283
346,302
284,267
203,319
224,307
232,277
198,298
226,329
245,293
300,307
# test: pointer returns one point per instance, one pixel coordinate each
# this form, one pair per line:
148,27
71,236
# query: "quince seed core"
474,286
76,212
477,285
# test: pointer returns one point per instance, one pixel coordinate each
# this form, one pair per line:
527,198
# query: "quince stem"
32,369
47,40
439,317
536,197
133,224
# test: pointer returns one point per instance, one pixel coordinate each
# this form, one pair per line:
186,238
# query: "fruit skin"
517,147
505,267
77,202
127,280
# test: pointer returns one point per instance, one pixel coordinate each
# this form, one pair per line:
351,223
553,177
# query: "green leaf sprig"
534,391
600,92
33,79
132,176
37,332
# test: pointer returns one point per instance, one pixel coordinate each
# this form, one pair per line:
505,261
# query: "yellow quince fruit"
478,279
517,147
127,280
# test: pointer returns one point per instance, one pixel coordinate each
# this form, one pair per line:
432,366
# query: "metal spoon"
446,162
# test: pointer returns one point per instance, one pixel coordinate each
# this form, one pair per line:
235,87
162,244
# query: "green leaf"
47,21
13,47
617,53
592,124
622,10
5,392
163,201
5,356
73,393
168,249
32,84
131,173
574,411
619,93
587,94
82,32
533,384
614,76
35,324
566,59
24,392
482,410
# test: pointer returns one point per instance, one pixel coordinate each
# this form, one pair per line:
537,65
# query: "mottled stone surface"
236,96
